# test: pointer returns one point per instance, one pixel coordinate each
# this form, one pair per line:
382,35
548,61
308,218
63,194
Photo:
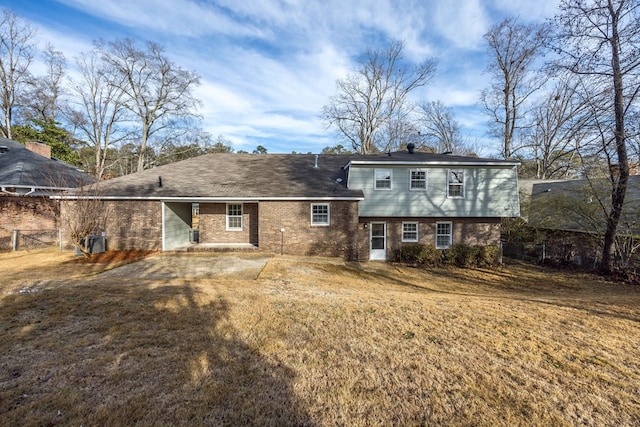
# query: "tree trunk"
620,174
143,146
8,123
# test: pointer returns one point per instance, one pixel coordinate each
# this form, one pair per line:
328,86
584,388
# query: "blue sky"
268,66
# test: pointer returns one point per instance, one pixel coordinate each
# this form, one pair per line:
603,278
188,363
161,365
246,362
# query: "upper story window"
234,217
417,179
455,183
409,231
382,179
443,235
320,214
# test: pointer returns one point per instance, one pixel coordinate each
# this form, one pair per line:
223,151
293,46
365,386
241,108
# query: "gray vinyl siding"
490,191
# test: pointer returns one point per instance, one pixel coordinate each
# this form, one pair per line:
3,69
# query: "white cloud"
268,66
178,17
527,10
462,23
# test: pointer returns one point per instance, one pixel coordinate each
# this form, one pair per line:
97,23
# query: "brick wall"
28,213
469,231
129,225
138,224
213,224
300,237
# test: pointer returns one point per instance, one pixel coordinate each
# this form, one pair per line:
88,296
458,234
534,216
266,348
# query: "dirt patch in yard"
27,271
113,257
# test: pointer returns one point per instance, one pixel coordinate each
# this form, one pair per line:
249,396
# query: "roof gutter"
210,199
4,190
433,163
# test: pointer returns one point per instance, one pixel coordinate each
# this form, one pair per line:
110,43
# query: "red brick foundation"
468,231
300,237
129,224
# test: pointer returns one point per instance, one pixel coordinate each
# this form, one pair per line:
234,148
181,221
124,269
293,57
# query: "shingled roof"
22,170
238,176
233,176
571,205
418,157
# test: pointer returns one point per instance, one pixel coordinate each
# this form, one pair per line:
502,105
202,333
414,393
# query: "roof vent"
411,147
3,148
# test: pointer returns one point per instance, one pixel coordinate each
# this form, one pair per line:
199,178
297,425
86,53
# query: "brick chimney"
39,148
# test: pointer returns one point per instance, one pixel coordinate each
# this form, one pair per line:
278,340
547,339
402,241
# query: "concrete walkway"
170,265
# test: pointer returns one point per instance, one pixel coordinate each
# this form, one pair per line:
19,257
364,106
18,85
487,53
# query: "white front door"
378,249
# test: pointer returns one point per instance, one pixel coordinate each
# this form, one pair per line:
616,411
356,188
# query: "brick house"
28,177
357,207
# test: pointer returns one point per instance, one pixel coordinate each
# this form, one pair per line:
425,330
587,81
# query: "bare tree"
373,96
16,55
46,90
439,130
599,42
100,112
157,91
222,145
399,130
192,143
557,132
84,213
513,50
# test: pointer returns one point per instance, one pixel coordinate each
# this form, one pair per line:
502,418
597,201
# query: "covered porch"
196,225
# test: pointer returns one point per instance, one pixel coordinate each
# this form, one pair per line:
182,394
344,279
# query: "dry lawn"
314,341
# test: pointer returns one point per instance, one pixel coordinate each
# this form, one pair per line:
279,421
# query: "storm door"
378,250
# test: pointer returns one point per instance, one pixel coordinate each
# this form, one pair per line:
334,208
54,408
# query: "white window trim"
234,216
426,180
375,180
417,232
450,234
464,179
321,224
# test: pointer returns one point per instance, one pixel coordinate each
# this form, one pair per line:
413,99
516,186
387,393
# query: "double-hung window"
320,214
443,235
382,179
409,231
417,179
234,216
455,183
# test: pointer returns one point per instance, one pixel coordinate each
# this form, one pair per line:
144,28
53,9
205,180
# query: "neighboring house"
28,176
358,207
569,215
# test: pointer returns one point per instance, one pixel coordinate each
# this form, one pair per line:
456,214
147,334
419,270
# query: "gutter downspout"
3,189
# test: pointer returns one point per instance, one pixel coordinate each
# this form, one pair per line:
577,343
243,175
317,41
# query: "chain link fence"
563,253
552,253
24,240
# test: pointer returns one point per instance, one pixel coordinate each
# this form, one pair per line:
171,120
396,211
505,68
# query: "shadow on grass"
117,354
526,287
